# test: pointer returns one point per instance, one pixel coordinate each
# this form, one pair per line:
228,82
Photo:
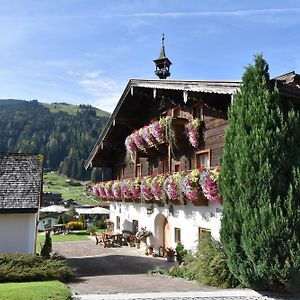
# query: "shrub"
28,267
180,253
75,225
100,224
60,220
207,266
82,220
92,230
183,271
210,265
47,247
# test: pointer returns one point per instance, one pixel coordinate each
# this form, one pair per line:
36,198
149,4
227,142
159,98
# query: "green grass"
69,188
46,290
80,236
71,109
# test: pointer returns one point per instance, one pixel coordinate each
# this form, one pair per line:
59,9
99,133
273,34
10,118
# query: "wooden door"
166,235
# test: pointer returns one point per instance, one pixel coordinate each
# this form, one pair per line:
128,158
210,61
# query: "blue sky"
85,51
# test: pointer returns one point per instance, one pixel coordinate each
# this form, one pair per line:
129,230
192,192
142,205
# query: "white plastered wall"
186,217
46,221
17,233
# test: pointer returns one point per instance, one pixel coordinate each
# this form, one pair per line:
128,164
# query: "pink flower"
148,137
157,131
130,145
138,140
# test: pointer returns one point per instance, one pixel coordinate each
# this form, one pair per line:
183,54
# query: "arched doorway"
162,231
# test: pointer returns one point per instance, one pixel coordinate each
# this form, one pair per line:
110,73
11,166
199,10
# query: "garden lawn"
38,290
60,238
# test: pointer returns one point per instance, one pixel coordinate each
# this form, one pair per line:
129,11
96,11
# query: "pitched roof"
20,182
204,86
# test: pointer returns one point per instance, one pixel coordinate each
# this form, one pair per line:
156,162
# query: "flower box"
201,201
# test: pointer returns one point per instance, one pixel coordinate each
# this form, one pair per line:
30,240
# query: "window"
120,173
150,168
203,159
164,166
203,232
177,235
138,170
198,112
177,167
176,112
135,226
118,222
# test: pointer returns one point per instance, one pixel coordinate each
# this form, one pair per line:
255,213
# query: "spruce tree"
260,184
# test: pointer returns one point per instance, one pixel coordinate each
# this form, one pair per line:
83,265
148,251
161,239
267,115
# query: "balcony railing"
197,186
166,130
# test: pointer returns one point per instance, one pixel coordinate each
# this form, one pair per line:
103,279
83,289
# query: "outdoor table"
59,228
112,239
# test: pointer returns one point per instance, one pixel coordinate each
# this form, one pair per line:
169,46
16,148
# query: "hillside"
78,191
64,133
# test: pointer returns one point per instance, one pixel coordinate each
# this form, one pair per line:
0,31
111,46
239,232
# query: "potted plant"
137,243
170,254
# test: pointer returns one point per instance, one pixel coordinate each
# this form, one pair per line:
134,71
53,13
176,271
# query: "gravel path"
122,273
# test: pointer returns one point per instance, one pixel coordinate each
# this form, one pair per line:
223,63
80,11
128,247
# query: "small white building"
20,194
47,220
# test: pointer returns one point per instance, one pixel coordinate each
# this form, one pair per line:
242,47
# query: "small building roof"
20,182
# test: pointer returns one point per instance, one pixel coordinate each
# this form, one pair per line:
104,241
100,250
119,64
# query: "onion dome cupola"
162,62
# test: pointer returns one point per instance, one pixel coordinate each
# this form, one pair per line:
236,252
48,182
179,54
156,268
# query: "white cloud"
212,13
230,13
104,91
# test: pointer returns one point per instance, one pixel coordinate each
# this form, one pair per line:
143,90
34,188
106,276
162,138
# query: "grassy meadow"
69,188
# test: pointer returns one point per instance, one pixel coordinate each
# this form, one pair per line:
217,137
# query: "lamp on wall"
150,209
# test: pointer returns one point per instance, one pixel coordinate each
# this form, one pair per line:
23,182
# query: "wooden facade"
185,216
146,100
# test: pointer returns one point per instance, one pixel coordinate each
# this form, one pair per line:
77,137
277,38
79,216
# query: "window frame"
177,234
206,151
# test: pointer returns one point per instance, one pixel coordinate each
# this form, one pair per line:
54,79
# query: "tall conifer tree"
260,184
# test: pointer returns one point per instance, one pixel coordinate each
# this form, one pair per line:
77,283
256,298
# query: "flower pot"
138,245
171,258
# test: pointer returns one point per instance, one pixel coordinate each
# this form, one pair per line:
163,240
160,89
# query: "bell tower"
162,63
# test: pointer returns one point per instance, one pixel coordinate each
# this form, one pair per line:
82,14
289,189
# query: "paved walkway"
121,273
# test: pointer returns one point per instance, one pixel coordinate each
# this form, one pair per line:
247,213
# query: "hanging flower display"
156,187
208,182
172,186
101,190
130,145
95,190
108,190
138,139
135,188
157,130
116,190
191,187
192,131
146,193
147,135
125,188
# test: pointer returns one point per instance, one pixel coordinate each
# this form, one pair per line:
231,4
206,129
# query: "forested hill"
64,133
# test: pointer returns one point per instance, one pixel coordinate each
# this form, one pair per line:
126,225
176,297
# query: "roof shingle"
20,181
